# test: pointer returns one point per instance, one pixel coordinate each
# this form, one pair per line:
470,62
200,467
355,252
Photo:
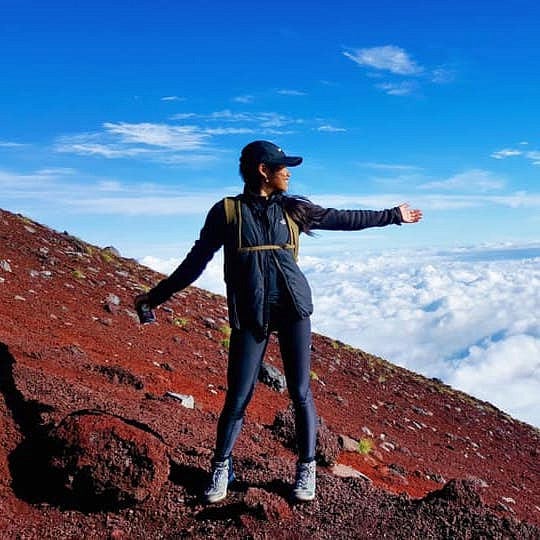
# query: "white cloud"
9,144
173,98
285,92
244,99
330,129
58,191
533,155
459,316
403,88
265,122
387,58
469,181
442,75
506,152
390,166
163,143
161,135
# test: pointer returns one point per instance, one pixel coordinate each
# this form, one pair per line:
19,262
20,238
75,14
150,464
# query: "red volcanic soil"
65,346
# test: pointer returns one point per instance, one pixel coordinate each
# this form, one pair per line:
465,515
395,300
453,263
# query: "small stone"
367,431
21,298
112,299
210,323
345,471
185,400
2,280
387,446
347,443
5,266
31,230
509,500
34,273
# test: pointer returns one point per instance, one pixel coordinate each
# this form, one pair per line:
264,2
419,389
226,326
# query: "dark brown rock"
327,448
101,460
267,505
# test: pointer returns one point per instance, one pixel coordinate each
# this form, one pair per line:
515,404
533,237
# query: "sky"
123,123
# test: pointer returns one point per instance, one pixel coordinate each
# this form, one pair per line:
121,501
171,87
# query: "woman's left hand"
409,215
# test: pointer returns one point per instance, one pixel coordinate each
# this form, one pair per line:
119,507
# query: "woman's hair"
301,209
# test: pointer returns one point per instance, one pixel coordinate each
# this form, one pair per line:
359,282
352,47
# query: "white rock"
186,401
5,266
345,471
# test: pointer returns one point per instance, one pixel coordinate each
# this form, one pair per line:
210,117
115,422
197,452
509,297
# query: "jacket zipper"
266,234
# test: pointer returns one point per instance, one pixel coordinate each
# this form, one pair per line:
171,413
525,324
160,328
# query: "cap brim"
292,161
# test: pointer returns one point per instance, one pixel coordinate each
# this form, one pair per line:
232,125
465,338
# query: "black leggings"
245,357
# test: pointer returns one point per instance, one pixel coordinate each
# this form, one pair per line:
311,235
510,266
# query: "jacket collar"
251,196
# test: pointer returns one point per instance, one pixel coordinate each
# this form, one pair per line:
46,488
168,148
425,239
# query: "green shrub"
181,322
365,446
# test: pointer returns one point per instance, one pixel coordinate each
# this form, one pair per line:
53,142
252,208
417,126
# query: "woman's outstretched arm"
354,220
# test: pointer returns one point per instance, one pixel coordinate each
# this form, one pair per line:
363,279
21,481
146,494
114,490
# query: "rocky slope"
421,459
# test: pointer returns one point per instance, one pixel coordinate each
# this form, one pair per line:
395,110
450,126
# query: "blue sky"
123,123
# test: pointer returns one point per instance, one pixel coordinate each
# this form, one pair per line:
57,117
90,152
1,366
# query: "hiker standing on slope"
266,291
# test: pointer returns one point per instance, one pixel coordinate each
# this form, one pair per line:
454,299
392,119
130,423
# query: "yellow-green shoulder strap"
230,210
294,231
233,214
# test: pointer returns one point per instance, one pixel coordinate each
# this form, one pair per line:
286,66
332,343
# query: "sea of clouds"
467,316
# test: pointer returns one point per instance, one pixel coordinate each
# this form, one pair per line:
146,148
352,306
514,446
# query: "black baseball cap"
267,152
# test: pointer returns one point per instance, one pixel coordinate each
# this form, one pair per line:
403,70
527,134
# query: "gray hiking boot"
304,485
222,476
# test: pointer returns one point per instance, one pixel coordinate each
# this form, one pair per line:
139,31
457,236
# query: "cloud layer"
467,316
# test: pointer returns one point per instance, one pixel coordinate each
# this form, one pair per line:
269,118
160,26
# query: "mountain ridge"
71,342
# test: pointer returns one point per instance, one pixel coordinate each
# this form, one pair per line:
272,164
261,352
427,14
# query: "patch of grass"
181,322
106,256
365,446
313,376
226,342
78,274
335,345
225,330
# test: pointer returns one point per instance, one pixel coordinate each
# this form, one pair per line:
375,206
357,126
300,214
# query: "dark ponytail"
303,212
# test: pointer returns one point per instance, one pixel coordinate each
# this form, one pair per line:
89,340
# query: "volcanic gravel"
439,463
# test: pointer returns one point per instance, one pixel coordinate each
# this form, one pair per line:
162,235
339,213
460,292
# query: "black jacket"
246,273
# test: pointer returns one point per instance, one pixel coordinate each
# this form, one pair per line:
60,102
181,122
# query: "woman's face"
278,180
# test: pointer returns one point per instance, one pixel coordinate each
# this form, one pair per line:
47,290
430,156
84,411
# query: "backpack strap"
294,231
233,214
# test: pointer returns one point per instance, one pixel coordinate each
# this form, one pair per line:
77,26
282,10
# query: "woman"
266,291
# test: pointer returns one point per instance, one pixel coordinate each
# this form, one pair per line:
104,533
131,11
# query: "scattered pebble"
186,401
5,266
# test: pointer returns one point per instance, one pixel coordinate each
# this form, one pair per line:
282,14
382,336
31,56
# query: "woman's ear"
263,171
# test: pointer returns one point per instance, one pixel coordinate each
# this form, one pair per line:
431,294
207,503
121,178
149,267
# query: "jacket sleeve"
353,220
211,238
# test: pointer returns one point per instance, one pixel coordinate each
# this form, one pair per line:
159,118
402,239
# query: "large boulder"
102,460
